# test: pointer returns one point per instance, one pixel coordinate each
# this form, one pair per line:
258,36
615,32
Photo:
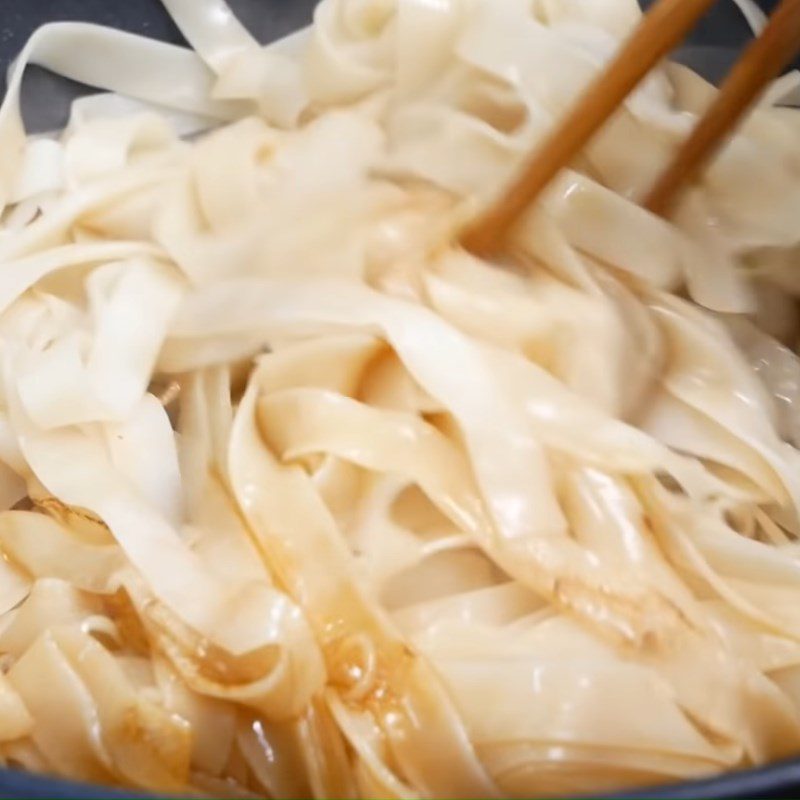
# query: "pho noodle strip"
143,448
530,535
102,146
212,722
17,276
669,588
443,158
73,464
303,546
134,66
110,381
46,549
595,682
266,78
603,345
52,229
211,29
685,429
134,730
542,484
562,419
300,422
17,722
70,742
705,546
727,390
16,585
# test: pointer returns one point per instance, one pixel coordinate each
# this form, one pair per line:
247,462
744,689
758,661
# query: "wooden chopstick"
761,63
661,29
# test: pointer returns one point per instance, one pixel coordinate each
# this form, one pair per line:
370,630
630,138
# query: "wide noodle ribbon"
300,499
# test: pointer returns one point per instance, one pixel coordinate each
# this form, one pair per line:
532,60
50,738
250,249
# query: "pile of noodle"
300,499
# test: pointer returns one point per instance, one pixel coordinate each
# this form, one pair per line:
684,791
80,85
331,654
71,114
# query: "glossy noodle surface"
301,499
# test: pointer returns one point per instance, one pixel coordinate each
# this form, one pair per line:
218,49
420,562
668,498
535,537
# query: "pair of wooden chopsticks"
660,30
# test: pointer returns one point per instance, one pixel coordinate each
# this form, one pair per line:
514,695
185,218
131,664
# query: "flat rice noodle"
707,372
209,786
373,775
51,602
101,147
212,723
671,527
529,540
560,328
40,175
564,422
108,105
766,649
24,754
685,429
15,719
777,366
470,157
572,770
176,574
298,422
219,536
112,380
613,230
134,67
607,518
736,707
126,54
584,669
143,448
211,29
17,276
440,571
272,497
67,728
615,18
242,216
555,482
149,747
46,549
325,752
385,548
599,696
351,55
269,680
198,435
496,605
334,74
51,229
707,548
740,203
14,581
12,488
274,753
714,277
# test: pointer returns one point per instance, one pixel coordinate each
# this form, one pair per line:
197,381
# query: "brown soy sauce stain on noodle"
228,575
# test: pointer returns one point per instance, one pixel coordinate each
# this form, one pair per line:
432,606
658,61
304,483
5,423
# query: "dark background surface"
46,100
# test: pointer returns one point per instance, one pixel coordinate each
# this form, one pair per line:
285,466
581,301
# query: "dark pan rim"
772,781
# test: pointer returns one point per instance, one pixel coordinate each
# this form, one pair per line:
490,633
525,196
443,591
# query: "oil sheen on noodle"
299,499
